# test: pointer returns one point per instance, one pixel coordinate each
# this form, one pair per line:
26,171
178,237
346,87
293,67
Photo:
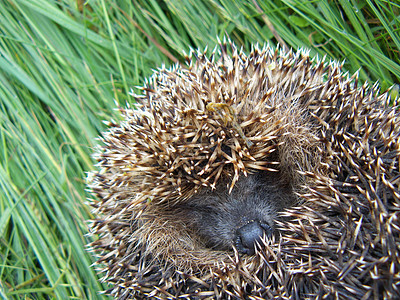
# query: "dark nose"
248,235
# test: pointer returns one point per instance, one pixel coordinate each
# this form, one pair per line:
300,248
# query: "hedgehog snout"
251,234
241,218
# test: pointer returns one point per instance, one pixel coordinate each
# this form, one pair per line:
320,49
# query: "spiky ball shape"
334,145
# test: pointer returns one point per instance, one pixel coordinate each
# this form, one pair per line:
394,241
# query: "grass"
62,62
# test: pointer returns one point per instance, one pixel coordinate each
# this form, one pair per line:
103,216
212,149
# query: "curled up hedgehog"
270,175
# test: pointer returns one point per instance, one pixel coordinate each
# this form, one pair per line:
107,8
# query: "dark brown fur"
216,214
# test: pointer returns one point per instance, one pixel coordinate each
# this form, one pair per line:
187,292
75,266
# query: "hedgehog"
268,175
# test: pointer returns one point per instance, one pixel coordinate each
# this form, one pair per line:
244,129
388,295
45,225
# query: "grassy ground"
62,62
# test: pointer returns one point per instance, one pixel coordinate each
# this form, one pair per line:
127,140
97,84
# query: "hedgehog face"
241,217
